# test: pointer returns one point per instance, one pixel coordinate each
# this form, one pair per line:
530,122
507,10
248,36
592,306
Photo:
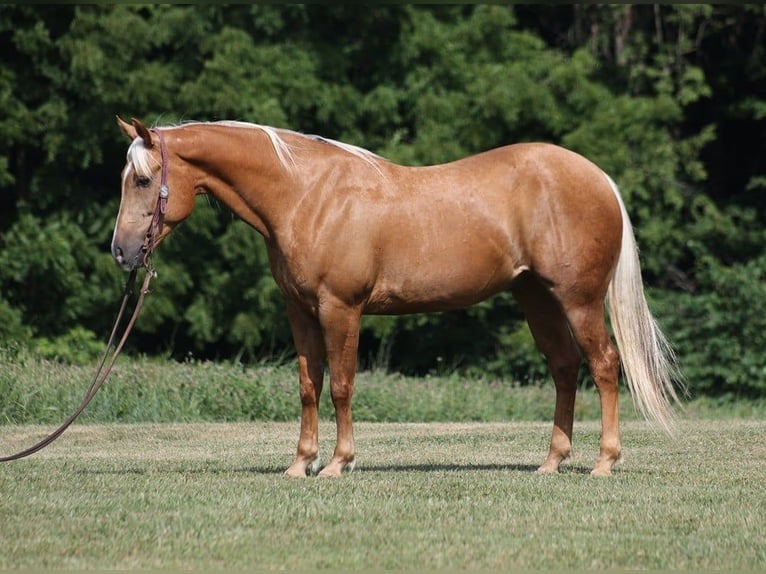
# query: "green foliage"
518,356
720,332
52,274
668,99
79,347
12,327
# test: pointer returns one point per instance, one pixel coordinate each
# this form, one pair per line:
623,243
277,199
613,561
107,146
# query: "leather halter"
162,201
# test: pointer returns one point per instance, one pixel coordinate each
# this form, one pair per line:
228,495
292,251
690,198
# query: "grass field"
430,495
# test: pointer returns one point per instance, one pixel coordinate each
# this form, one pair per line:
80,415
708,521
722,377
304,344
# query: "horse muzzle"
128,258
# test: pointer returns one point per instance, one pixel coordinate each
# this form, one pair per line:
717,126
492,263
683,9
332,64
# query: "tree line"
670,100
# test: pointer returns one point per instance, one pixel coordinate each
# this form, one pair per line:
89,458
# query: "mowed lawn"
430,495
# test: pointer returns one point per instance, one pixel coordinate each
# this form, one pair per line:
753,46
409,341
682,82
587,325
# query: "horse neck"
240,168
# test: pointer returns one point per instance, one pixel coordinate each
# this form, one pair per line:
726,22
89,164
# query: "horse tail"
648,361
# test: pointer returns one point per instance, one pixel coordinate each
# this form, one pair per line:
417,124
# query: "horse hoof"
604,465
549,467
335,469
295,473
301,469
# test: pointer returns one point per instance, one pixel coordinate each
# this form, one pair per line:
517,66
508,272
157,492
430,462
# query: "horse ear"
127,129
142,132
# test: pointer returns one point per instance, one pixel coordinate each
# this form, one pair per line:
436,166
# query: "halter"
162,202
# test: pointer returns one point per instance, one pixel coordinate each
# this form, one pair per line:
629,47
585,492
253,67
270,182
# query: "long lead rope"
104,368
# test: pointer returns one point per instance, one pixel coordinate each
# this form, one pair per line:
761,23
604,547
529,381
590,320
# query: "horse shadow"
360,469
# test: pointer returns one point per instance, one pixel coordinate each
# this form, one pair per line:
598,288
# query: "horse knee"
310,393
342,391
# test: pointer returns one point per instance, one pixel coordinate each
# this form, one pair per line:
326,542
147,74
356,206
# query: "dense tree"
669,99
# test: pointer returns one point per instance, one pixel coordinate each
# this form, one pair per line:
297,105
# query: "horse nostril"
118,255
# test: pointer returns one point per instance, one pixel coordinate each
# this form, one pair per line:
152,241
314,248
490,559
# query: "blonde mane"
143,162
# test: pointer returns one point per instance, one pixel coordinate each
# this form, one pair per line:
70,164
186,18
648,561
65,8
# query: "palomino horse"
348,232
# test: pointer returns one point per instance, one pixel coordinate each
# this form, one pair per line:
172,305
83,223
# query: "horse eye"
143,181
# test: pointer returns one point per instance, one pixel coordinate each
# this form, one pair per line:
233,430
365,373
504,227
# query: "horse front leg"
309,346
340,326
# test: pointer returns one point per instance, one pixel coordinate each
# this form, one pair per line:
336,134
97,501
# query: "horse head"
154,197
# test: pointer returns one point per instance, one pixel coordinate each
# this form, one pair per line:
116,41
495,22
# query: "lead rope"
102,373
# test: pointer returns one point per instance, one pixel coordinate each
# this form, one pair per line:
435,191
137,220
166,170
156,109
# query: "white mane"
283,150
360,152
142,161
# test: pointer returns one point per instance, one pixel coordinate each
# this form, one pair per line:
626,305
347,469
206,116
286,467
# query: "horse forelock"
139,157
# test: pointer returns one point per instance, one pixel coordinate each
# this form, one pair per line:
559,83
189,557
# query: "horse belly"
441,283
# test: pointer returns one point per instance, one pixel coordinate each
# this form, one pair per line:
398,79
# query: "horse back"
469,229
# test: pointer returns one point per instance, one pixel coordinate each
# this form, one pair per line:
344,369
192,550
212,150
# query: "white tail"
648,362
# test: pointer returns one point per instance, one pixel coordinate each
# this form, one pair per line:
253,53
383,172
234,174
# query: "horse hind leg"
550,330
589,329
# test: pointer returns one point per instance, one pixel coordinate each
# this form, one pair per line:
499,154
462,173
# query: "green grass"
152,390
36,391
437,495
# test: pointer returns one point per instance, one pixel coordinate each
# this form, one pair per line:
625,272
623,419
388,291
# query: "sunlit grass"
439,495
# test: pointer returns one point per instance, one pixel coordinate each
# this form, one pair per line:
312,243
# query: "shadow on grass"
524,468
431,467
360,469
